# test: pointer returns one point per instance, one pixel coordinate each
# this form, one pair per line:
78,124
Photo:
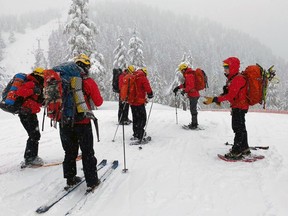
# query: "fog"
265,20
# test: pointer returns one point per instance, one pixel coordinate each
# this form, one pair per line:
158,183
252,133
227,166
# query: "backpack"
201,79
129,90
10,102
257,82
63,92
115,80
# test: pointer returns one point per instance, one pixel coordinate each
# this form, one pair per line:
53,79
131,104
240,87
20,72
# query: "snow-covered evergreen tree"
12,38
158,86
82,32
2,46
120,59
40,58
135,51
81,29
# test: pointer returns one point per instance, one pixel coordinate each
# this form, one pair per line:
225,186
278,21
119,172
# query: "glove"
37,90
183,93
150,95
210,100
175,90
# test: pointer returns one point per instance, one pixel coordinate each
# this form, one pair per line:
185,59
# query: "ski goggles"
226,66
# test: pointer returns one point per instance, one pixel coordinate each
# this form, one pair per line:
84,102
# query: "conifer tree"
135,51
120,58
12,38
40,58
82,32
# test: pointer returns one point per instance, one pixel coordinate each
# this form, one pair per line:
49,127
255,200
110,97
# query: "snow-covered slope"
20,55
178,173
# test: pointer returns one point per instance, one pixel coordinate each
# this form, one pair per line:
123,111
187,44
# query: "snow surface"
178,173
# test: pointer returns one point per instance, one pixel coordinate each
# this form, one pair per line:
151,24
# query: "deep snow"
178,173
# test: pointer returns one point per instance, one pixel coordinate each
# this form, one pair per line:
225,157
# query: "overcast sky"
266,20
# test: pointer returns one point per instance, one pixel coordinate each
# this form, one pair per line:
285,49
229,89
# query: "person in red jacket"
31,94
123,110
235,91
138,107
189,88
80,134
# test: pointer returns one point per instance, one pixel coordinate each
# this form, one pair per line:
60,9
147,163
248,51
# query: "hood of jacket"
234,65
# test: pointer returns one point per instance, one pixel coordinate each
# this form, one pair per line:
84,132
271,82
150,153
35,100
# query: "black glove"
175,90
183,93
150,95
37,90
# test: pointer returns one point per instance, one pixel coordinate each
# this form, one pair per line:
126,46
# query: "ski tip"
103,162
115,164
42,209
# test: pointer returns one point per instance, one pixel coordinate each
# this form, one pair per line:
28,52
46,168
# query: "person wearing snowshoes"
139,114
123,110
235,92
189,88
80,134
31,93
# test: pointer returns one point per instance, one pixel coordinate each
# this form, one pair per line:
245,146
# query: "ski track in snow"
177,173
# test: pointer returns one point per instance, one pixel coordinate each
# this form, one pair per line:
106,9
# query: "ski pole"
44,113
113,140
176,109
124,151
140,147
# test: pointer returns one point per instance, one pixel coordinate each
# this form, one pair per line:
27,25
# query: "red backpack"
53,94
253,75
129,90
201,80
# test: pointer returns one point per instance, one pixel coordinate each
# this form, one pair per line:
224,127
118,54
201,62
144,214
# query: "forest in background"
168,39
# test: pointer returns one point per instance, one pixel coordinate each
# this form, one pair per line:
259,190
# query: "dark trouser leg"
31,125
70,145
239,128
123,111
139,120
193,110
89,161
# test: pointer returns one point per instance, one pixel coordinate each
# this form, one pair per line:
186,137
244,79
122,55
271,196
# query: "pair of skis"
44,208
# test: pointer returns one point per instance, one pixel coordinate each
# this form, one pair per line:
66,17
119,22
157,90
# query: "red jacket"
91,91
236,86
32,103
189,85
121,76
143,87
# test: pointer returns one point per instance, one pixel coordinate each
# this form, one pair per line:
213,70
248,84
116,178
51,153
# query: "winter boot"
72,181
93,187
34,161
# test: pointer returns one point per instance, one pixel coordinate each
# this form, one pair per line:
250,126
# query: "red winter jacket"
121,76
91,91
32,103
189,84
143,87
236,86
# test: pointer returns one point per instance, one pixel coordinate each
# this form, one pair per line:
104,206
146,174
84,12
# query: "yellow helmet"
130,68
144,69
82,58
182,66
39,71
